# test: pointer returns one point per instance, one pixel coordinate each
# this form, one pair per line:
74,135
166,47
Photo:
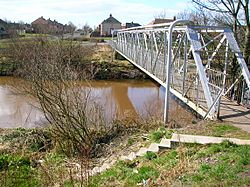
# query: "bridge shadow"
240,114
234,113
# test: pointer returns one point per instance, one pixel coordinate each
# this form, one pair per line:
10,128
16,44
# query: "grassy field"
35,35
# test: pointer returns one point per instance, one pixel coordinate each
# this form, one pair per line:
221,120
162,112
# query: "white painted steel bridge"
191,62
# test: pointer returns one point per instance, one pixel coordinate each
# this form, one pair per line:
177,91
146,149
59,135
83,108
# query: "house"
2,22
108,25
130,25
40,25
56,26
160,21
8,29
17,28
3,29
44,26
2,25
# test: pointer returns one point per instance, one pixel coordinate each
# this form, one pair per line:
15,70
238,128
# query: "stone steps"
168,144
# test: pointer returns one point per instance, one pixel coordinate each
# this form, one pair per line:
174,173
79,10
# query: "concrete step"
165,143
123,158
184,138
142,151
154,147
131,156
95,171
104,167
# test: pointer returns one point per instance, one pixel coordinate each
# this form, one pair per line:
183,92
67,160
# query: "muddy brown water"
118,99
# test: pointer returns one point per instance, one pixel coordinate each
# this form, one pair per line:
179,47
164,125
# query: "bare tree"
161,15
87,29
245,5
198,17
227,7
74,118
72,27
231,8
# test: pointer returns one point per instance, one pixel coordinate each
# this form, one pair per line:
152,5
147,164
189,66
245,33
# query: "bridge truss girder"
199,61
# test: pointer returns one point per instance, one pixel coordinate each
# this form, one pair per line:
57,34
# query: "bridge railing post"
168,67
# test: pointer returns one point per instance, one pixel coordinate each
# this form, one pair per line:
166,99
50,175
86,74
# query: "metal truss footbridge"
200,65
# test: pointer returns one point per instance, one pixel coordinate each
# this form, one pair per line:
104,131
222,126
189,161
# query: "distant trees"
71,27
87,29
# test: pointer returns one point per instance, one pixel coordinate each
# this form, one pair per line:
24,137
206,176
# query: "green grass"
133,172
216,129
102,38
167,161
24,171
227,130
4,43
150,155
130,141
55,158
33,140
224,164
222,129
35,35
157,135
17,171
125,174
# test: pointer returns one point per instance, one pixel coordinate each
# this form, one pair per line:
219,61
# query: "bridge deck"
235,114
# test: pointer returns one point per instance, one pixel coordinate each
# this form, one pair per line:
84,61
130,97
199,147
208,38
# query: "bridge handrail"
154,26
219,28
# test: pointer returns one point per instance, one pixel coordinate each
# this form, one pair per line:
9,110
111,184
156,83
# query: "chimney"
110,15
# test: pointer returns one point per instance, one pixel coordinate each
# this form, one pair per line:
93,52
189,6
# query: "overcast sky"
92,12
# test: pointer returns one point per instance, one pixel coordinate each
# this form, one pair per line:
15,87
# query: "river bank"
98,58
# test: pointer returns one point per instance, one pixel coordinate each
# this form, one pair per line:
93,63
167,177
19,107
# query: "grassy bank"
188,165
222,164
35,157
32,158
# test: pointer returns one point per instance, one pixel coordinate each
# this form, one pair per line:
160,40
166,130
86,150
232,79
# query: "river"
117,99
